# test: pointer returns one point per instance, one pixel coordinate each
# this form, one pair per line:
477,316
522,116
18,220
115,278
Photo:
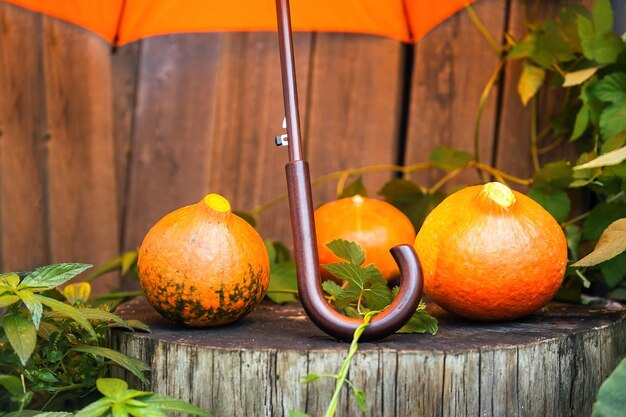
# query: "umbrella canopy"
124,21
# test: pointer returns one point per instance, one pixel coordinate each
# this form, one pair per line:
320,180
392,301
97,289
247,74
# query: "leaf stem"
501,176
445,179
419,166
533,135
341,182
343,373
483,30
482,103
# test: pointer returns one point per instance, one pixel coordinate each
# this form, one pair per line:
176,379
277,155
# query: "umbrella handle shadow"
308,271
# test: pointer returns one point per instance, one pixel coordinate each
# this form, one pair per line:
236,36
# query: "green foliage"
411,199
365,289
283,284
611,401
55,339
119,400
356,187
449,159
578,52
342,377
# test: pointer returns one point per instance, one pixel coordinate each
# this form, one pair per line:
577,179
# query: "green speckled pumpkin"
202,265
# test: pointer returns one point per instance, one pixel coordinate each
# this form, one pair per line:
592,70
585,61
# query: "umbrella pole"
303,226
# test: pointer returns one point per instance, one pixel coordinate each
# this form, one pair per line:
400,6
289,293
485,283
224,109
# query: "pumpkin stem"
499,194
217,202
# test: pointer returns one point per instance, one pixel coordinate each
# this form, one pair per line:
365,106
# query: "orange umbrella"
124,21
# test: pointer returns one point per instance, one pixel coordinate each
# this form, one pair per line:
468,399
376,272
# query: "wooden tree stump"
548,365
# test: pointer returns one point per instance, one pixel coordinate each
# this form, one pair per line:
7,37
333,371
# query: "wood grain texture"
452,66
83,214
24,241
353,118
208,107
549,364
124,78
244,165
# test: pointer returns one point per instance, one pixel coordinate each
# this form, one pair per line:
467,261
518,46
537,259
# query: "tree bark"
549,364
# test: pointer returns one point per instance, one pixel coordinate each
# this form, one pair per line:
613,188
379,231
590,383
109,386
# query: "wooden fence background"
96,145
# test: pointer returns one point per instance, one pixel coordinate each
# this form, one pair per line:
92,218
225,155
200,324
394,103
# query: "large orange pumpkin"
201,265
490,253
375,225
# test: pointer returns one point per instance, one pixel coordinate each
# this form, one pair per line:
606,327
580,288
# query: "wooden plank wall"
96,145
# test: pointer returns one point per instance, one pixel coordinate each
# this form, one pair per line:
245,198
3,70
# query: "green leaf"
111,387
578,77
95,409
611,243
39,414
32,304
556,202
119,410
67,310
613,143
530,81
331,288
21,334
356,187
573,234
248,217
361,399
611,401
138,325
174,405
129,259
78,292
409,198
554,174
421,322
9,281
581,123
602,15
586,33
614,270
94,314
613,120
611,88
135,366
308,378
346,250
376,292
7,300
449,159
12,384
51,276
600,218
350,272
282,277
282,274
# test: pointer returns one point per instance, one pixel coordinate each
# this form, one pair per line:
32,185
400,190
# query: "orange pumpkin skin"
484,261
375,225
202,266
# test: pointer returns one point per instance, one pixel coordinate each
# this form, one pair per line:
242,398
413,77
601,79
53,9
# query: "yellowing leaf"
21,334
530,81
579,77
77,292
611,158
611,243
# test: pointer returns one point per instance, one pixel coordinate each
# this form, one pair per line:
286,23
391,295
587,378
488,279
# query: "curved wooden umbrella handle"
303,224
309,282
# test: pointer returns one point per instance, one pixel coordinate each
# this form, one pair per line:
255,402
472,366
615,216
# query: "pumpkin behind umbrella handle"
308,272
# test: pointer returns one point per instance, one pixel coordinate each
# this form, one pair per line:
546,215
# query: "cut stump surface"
549,364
